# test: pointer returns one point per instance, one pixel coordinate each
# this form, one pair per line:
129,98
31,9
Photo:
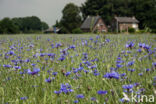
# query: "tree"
44,25
30,24
8,27
71,18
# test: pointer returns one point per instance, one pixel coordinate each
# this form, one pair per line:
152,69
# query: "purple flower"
17,67
131,70
130,45
123,74
62,58
54,73
147,70
57,92
154,64
11,52
7,66
128,87
130,63
93,98
111,75
65,88
80,96
140,74
76,101
139,50
24,98
48,80
96,74
155,78
101,92
72,47
35,71
67,74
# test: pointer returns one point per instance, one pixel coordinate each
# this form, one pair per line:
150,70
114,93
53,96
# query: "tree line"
22,25
143,10
73,16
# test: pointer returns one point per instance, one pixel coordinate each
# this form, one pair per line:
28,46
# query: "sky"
47,10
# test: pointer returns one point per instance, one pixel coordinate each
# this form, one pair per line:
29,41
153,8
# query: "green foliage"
77,31
144,11
28,24
22,25
131,30
71,18
8,27
44,25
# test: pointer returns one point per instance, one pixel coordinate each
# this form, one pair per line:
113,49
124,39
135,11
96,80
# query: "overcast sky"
47,10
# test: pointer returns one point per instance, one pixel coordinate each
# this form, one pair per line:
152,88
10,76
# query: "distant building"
52,30
121,24
94,24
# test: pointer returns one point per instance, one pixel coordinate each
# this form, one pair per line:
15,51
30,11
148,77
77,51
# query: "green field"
83,69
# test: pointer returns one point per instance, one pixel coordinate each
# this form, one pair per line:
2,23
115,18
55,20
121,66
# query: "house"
52,30
94,24
121,24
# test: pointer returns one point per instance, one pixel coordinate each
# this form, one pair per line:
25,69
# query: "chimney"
133,17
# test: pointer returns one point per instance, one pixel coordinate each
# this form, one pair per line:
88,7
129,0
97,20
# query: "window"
134,25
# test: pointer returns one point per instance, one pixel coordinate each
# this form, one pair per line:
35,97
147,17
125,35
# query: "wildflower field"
69,69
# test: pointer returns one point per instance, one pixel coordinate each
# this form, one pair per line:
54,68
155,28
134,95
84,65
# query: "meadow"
83,69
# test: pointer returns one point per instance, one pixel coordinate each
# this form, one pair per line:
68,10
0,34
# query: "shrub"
77,31
131,30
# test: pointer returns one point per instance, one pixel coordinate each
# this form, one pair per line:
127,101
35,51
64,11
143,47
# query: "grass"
17,83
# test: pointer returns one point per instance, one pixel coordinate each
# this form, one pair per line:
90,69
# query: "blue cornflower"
93,98
35,71
101,92
136,84
111,75
86,71
139,50
66,88
154,64
51,55
119,65
7,66
123,74
130,45
33,64
27,60
107,40
80,96
24,98
76,101
128,87
11,52
67,74
17,67
140,74
72,47
62,58
54,73
42,54
97,37
94,66
57,92
58,45
155,78
131,70
96,74
130,63
48,80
